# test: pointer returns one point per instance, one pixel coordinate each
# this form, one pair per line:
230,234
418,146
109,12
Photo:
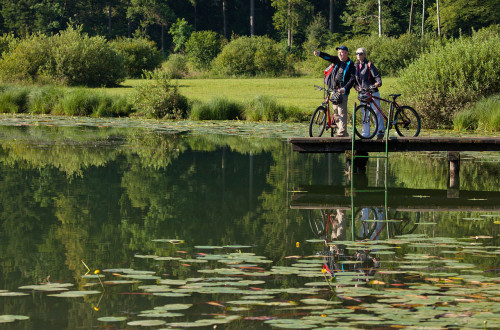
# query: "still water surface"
105,226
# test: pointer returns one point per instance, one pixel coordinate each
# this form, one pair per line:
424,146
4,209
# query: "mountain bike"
405,119
321,119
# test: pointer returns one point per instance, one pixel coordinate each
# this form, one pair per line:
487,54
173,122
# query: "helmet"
364,97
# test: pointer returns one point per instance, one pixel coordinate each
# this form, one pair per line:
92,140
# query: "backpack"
328,73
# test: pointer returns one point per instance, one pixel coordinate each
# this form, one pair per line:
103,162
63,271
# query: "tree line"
279,19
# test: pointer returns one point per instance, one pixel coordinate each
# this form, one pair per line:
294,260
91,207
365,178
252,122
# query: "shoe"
343,135
380,136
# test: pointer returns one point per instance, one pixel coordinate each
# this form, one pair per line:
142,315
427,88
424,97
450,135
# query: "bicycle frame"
326,103
373,104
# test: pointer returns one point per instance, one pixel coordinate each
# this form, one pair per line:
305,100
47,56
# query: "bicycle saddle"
395,95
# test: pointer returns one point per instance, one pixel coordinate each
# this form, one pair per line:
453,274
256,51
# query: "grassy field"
298,92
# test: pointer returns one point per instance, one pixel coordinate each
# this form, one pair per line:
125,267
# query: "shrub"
77,59
5,41
452,76
265,108
139,54
251,56
24,60
158,98
176,66
113,107
202,48
14,99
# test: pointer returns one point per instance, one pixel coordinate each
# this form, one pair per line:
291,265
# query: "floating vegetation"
12,318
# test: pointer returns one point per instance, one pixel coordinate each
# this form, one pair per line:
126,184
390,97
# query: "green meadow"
298,92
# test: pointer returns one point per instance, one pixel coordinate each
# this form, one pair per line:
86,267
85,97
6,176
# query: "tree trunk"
289,25
379,18
195,17
163,39
224,4
109,19
411,17
439,22
330,20
252,17
423,16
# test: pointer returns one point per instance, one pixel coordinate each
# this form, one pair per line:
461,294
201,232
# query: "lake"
123,223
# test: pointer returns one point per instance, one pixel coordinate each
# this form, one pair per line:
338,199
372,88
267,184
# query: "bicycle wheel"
318,122
366,125
407,121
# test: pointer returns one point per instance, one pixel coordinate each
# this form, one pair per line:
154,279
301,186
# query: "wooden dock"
395,144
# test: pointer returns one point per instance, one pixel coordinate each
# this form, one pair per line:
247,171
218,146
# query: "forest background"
444,54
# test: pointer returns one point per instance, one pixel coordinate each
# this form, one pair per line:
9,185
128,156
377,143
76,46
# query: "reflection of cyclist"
367,75
371,230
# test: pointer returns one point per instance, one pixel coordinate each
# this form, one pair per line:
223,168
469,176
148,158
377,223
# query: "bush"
176,66
250,56
24,60
202,48
78,102
139,54
452,76
77,59
158,98
216,109
484,115
14,99
5,41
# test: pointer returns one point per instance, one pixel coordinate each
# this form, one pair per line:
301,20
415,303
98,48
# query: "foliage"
483,115
25,59
250,56
291,16
218,108
390,54
5,41
158,98
203,47
176,66
449,77
317,35
180,31
458,16
77,59
139,54
361,17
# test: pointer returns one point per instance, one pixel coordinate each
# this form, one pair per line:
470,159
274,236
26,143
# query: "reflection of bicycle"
405,120
321,118
371,224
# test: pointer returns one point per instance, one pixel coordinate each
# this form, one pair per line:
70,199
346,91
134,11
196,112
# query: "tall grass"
265,108
484,115
218,108
14,99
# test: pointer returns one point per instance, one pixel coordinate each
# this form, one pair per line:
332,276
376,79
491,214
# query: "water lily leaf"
49,287
12,294
11,318
207,247
74,294
112,319
147,323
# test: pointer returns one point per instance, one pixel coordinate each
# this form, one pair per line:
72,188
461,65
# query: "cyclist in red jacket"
341,79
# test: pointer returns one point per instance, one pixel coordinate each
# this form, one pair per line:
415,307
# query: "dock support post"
454,171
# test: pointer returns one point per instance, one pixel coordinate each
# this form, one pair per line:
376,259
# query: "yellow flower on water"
96,271
297,244
323,315
96,309
323,270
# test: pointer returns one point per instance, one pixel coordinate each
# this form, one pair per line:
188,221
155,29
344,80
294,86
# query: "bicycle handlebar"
322,88
370,89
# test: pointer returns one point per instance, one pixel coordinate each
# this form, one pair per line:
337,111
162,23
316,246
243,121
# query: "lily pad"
112,319
147,323
12,318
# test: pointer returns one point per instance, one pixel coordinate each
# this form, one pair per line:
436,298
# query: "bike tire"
365,115
318,122
407,121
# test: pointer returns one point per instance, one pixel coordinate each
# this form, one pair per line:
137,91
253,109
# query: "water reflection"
210,221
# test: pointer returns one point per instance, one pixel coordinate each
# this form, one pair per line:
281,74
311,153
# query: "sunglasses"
359,53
